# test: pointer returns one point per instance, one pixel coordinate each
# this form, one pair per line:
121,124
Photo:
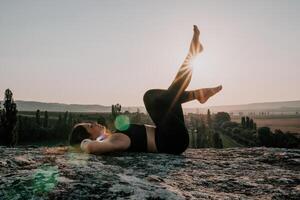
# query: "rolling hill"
283,107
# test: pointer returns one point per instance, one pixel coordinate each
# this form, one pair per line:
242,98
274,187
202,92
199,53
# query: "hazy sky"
105,52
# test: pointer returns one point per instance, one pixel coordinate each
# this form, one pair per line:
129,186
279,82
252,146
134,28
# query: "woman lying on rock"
169,135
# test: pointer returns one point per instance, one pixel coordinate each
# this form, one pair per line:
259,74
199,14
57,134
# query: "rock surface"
239,173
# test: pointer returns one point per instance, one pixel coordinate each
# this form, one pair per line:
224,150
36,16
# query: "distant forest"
205,130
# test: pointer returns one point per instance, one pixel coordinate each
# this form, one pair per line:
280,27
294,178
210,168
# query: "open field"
291,124
228,142
285,123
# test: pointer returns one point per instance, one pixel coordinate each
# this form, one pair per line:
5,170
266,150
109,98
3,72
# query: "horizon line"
144,106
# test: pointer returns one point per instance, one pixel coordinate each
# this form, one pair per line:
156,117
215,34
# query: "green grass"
229,142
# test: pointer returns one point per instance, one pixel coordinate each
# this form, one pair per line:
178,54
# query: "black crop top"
138,137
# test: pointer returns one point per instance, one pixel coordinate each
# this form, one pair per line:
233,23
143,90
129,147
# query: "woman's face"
94,129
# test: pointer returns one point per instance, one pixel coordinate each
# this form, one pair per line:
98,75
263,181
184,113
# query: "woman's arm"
116,142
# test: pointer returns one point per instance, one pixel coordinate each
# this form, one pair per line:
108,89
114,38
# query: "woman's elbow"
91,149
86,149
85,146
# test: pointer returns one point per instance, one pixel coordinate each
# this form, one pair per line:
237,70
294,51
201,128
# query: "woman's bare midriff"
150,130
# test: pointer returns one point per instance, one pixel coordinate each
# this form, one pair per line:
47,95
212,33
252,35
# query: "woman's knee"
157,97
150,95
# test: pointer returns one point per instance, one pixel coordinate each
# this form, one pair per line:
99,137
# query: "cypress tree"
45,124
38,117
243,122
59,121
70,120
65,119
208,118
217,141
247,122
251,124
8,120
115,110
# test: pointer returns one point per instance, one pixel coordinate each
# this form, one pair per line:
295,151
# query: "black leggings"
164,108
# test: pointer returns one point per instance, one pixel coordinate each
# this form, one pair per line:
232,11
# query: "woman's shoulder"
117,136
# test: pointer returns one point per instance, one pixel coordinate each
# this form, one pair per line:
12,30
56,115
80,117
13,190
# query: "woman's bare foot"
196,30
196,46
202,95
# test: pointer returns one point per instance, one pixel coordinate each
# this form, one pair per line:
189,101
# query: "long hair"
78,134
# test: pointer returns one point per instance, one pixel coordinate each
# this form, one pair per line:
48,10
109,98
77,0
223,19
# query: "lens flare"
122,122
45,179
78,159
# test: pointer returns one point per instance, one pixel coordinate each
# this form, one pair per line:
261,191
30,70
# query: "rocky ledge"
239,173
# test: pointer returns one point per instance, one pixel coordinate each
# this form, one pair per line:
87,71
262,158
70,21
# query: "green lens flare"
122,122
77,159
45,179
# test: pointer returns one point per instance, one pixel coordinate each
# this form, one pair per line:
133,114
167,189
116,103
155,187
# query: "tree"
247,124
59,122
116,110
45,124
217,140
229,124
65,119
8,133
70,120
236,131
38,117
200,134
251,124
203,139
264,136
221,117
243,122
194,138
208,118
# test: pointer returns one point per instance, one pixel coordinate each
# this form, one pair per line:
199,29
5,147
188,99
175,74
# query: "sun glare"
195,62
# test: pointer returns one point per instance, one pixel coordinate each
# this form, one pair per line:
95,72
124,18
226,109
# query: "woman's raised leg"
202,95
171,133
184,74
159,102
